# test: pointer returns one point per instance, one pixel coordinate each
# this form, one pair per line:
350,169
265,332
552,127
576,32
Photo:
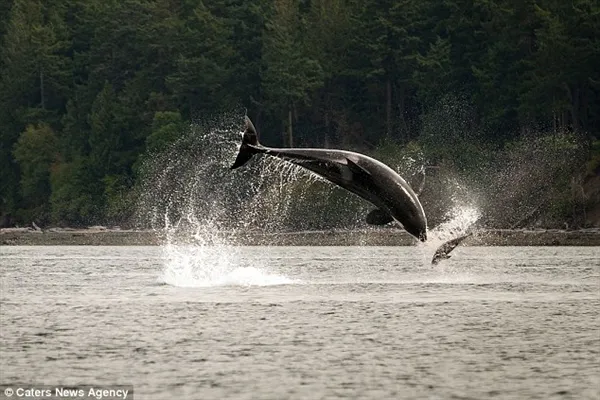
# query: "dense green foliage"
88,89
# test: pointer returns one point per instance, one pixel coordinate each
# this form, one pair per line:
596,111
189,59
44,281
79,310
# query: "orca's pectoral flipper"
378,217
249,145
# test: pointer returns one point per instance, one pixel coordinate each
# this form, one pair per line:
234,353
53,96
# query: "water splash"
212,265
196,253
460,220
200,208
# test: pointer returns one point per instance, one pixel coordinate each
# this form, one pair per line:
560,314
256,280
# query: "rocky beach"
101,236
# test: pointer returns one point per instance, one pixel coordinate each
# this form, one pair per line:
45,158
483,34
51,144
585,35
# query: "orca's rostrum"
362,175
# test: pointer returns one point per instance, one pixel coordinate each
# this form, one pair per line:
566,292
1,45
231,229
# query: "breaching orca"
362,175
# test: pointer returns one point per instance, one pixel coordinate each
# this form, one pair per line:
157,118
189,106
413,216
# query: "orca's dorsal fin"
356,169
378,217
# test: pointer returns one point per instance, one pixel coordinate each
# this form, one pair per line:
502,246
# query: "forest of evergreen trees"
88,87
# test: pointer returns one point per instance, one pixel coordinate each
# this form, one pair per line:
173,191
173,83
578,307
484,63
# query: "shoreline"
379,237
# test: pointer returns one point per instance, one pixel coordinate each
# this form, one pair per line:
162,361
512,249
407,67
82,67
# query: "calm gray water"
304,322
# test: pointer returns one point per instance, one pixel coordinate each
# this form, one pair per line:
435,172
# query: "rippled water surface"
304,322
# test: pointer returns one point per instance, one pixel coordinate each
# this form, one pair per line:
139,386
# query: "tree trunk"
585,106
401,105
554,115
42,95
259,110
575,109
388,108
326,138
290,131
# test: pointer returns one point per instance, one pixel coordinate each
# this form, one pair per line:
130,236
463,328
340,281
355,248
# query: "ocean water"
225,322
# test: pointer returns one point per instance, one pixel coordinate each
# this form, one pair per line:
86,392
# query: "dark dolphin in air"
362,175
442,252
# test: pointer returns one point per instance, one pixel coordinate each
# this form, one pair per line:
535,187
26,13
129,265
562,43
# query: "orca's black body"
362,175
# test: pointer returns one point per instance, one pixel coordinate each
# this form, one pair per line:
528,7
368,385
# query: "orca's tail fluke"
249,146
